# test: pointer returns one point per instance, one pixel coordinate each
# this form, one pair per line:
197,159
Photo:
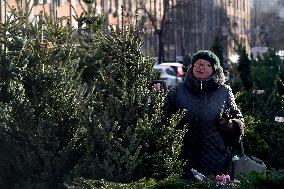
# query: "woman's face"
202,69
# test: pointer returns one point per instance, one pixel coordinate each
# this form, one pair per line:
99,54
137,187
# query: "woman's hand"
231,126
156,87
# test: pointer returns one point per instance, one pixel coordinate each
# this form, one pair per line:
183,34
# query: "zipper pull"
201,85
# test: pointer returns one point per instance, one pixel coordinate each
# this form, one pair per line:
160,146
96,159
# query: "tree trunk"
160,47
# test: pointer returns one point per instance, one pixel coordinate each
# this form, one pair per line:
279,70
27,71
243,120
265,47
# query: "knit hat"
209,56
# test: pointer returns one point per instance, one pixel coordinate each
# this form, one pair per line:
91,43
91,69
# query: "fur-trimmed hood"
211,84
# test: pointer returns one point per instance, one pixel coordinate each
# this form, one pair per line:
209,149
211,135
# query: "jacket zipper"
201,85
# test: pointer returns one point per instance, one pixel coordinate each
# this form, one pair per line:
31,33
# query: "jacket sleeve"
170,103
236,121
234,110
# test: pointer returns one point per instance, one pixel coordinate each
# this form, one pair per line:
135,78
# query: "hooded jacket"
205,147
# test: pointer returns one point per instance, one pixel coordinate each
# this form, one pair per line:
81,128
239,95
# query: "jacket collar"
211,84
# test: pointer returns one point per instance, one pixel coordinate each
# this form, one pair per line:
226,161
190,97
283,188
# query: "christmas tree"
217,48
42,103
127,136
244,68
58,124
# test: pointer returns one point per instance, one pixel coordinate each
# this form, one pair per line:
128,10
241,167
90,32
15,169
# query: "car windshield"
171,71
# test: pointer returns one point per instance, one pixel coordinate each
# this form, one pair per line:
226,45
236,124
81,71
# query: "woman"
214,122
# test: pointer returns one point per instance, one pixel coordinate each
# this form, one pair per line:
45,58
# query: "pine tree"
244,69
217,48
90,24
127,136
266,70
186,62
260,110
55,128
42,104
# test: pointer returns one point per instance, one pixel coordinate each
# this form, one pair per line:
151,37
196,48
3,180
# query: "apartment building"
239,24
190,25
64,9
157,18
171,28
267,23
203,20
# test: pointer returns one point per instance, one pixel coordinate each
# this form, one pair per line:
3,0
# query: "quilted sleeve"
234,110
236,120
170,103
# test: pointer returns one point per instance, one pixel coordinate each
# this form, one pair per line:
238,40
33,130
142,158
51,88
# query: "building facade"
238,13
171,28
201,21
185,26
267,24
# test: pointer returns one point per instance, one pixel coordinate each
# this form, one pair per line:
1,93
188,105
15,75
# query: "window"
170,71
37,18
61,2
237,4
10,16
41,2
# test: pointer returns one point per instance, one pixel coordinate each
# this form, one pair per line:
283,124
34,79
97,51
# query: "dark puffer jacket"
205,147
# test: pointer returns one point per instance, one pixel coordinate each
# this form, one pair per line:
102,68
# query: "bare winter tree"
271,30
159,14
268,27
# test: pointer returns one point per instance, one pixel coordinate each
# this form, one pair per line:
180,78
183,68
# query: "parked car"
171,73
